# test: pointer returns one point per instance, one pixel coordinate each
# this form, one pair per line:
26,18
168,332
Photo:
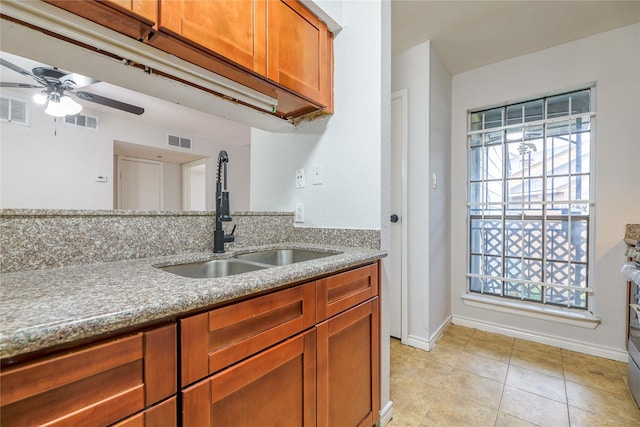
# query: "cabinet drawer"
94,385
214,340
342,291
274,387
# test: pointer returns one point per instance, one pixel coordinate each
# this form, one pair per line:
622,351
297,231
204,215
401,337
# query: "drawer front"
280,381
95,385
342,291
214,340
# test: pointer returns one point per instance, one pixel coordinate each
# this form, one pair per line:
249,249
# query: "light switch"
434,180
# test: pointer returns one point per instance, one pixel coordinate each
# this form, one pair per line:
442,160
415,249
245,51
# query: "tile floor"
475,378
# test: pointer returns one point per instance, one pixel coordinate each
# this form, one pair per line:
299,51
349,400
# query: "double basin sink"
244,263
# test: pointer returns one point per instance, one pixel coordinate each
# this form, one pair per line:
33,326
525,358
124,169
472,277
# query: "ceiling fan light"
55,108
71,107
41,98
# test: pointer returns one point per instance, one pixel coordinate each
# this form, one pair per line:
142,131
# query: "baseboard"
567,344
427,344
386,414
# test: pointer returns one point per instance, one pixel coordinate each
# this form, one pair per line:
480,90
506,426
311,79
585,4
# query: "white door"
139,184
397,253
194,185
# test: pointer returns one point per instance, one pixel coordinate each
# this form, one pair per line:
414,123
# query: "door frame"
403,96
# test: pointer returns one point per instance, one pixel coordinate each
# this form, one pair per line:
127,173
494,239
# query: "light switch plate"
299,215
300,178
316,175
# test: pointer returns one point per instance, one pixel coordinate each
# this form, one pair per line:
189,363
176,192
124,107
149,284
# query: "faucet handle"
228,238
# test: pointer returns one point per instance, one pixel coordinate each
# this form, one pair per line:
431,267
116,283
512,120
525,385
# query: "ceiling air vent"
82,121
14,110
179,141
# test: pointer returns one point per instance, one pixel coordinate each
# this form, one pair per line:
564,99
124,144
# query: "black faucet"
222,207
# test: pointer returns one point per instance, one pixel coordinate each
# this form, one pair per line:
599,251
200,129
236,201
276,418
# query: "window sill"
552,314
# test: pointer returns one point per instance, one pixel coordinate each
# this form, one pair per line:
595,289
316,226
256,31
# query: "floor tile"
610,405
533,408
482,366
490,345
598,373
454,410
420,366
581,418
538,361
445,352
506,420
537,383
473,387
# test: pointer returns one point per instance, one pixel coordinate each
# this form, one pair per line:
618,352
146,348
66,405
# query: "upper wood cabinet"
233,29
299,51
133,18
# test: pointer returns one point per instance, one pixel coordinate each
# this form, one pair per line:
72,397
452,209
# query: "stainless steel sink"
283,256
213,269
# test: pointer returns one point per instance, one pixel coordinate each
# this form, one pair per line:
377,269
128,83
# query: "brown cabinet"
164,414
349,368
276,47
94,385
276,387
299,51
233,29
302,357
133,18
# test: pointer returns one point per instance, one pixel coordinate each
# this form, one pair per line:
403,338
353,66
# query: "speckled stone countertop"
632,234
49,307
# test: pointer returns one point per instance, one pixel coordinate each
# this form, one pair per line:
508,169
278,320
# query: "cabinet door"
95,385
233,29
214,340
344,290
273,388
300,51
349,368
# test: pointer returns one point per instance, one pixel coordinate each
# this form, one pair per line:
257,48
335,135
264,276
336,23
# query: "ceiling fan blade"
109,102
22,71
20,85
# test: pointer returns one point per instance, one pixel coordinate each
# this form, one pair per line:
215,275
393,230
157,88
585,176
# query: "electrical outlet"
299,215
101,178
300,178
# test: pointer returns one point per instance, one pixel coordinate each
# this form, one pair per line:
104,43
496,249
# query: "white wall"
612,60
51,165
346,145
422,73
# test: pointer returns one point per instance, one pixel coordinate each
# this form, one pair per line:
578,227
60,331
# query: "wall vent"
82,121
14,110
179,141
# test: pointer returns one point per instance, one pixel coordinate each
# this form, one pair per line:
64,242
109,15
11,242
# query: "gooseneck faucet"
222,206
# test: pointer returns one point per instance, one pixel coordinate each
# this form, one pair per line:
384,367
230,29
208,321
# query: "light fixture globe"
70,106
41,98
54,107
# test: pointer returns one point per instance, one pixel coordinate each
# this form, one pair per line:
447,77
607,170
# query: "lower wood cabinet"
349,368
273,388
94,385
164,414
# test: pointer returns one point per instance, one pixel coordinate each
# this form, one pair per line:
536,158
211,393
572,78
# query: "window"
529,204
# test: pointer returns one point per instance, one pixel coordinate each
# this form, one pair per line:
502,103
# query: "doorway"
398,250
139,185
194,185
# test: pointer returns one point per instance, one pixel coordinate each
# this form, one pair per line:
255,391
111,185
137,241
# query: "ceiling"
471,34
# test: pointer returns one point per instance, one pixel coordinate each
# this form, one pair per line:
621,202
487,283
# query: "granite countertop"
50,307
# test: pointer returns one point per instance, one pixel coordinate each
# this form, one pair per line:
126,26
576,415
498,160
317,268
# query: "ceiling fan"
55,85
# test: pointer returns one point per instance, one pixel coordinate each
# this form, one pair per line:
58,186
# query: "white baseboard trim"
386,414
427,344
568,344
